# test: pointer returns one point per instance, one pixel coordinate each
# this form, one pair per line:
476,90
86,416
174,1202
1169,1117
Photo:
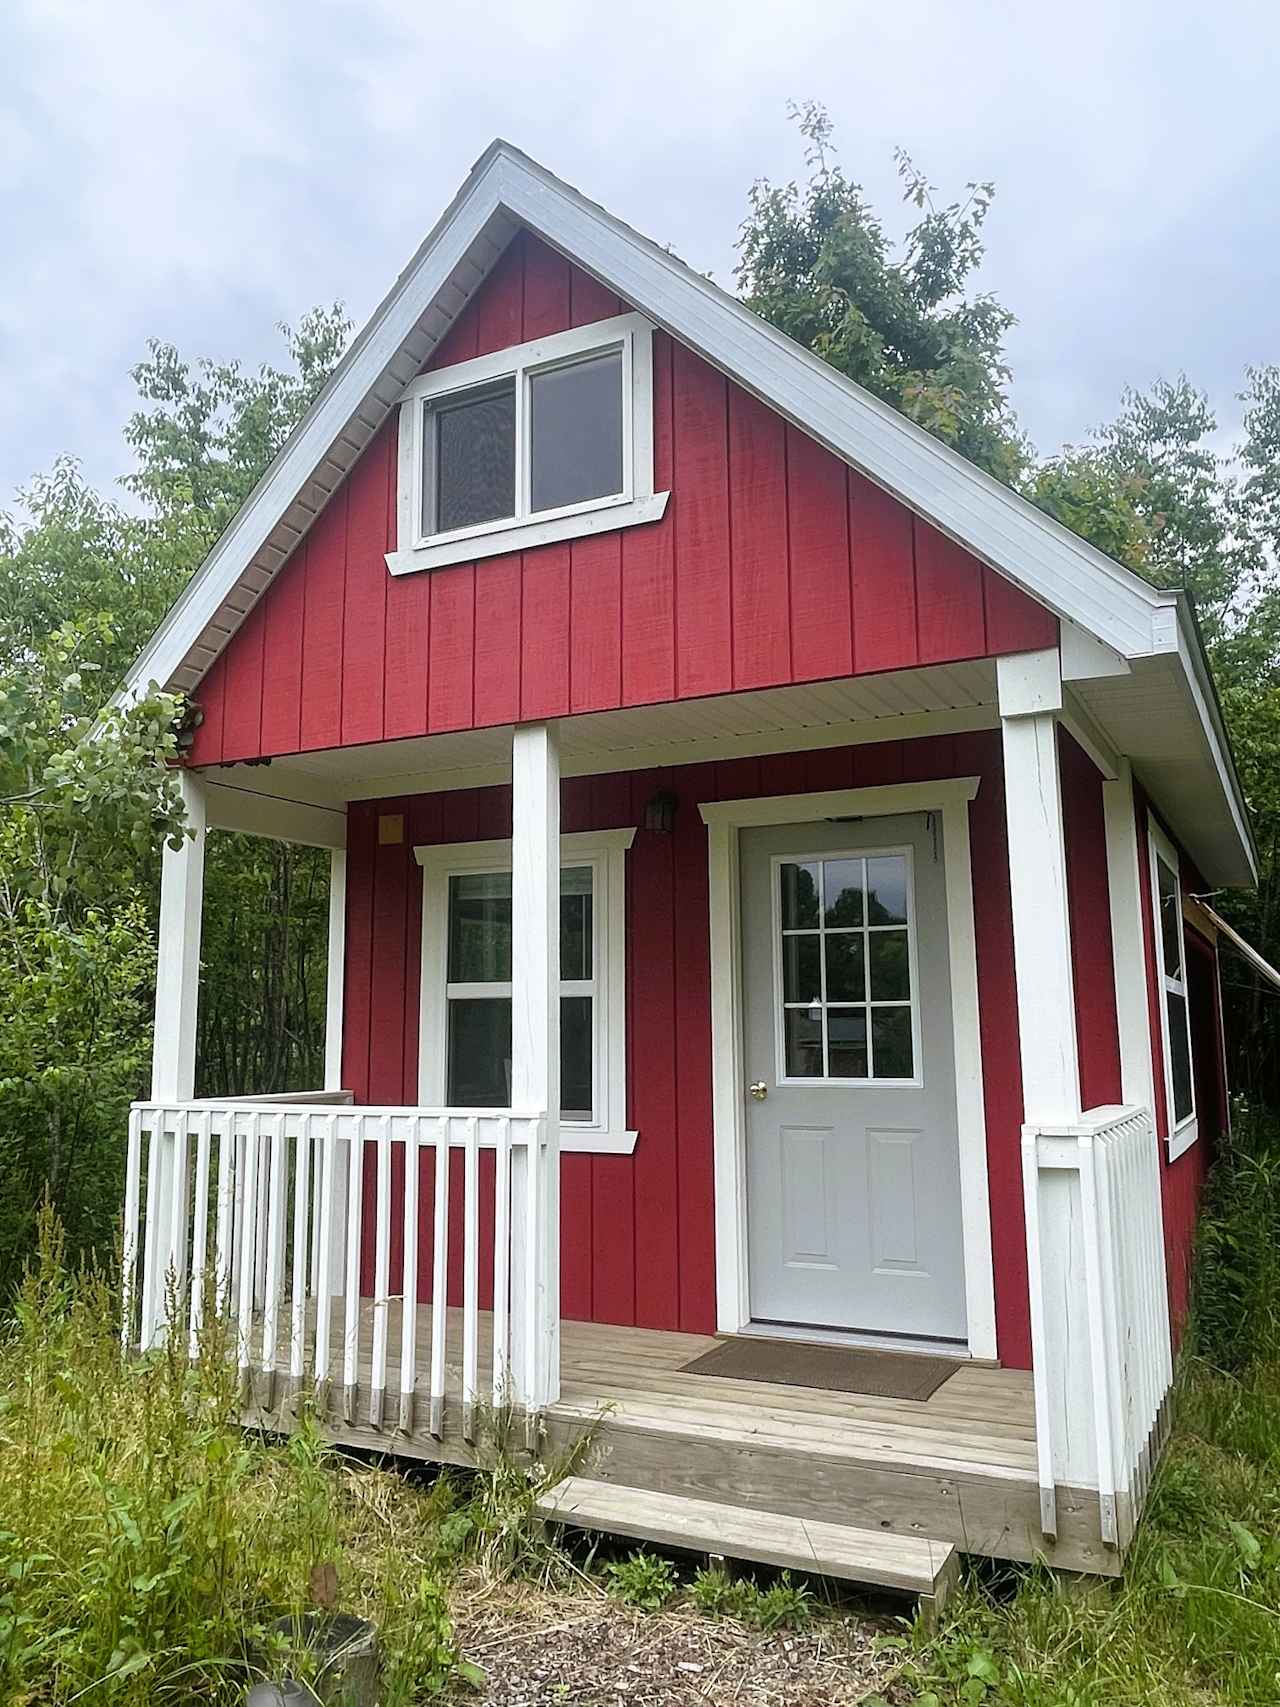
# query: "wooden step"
909,1563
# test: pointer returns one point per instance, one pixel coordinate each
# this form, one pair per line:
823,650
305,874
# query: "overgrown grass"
1196,1617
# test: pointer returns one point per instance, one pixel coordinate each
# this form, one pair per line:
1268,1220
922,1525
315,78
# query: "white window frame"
630,334
913,1003
605,851
1182,1133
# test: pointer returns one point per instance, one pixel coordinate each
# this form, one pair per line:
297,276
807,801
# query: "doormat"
836,1368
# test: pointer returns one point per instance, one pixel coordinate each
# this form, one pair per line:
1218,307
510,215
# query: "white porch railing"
1099,1310
269,1199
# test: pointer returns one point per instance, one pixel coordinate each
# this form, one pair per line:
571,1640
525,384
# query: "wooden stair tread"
913,1564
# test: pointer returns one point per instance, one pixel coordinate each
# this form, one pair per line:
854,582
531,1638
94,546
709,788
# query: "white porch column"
335,969
1030,687
173,1056
535,1062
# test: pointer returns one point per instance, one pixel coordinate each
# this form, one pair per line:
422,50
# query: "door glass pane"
802,1030
480,928
847,1043
471,460
890,966
801,972
575,415
480,1053
842,886
576,1096
575,923
1170,920
887,890
845,975
1179,1054
891,1043
799,897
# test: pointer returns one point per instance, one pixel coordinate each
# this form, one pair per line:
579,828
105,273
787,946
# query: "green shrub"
643,1580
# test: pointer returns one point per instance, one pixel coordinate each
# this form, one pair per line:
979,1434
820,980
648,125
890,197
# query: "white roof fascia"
1201,690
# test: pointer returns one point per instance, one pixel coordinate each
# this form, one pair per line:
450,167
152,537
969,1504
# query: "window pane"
803,1032
801,974
799,896
890,966
842,882
576,1096
891,1042
887,890
1170,920
471,478
845,975
480,928
480,1053
576,428
1179,1055
575,922
847,1042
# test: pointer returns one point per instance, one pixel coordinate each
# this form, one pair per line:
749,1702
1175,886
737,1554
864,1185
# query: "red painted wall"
1182,1181
1089,905
773,564
638,1231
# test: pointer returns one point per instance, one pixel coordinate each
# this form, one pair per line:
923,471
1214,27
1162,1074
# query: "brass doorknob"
759,1090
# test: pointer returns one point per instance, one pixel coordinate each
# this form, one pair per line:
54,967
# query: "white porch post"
173,1057
1030,687
535,1063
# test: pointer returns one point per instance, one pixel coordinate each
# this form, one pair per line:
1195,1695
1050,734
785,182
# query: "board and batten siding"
774,563
638,1230
1089,907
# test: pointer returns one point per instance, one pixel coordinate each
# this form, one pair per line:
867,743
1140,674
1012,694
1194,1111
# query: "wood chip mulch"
543,1649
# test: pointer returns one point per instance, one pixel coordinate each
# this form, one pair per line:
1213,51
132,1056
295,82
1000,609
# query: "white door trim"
724,820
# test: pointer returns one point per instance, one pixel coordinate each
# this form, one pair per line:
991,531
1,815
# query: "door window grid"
845,968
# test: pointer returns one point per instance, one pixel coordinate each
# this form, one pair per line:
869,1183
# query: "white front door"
853,1171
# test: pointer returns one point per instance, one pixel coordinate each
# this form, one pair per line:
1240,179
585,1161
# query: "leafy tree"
815,262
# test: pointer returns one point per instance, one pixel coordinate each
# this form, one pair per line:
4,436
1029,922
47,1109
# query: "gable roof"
505,191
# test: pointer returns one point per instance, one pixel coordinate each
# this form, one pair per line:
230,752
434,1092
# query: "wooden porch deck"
958,1467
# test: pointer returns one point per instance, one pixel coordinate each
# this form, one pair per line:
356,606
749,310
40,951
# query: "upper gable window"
546,441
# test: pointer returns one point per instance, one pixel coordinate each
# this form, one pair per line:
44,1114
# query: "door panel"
853,1176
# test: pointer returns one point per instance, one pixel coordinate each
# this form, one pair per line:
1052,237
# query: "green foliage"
147,1545
1196,1617
783,1605
816,262
643,1580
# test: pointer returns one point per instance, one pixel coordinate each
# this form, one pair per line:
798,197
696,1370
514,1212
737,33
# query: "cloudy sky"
198,172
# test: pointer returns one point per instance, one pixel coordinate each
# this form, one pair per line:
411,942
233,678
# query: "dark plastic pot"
339,1651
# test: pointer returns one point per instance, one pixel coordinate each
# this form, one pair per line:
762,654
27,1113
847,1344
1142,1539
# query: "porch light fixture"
660,812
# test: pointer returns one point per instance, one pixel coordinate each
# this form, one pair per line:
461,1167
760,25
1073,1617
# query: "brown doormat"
837,1368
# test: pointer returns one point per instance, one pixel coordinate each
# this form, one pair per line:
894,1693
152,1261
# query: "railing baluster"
351,1336
470,1278
302,1244
502,1264
273,1274
153,1256
199,1231
322,1269
381,1275
440,1277
179,1221
409,1277
225,1234
129,1247
248,1255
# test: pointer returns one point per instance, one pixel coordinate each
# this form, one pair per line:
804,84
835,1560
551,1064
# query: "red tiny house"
785,785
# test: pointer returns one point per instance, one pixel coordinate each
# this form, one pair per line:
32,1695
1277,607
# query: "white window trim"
913,1003
632,334
605,851
1183,1133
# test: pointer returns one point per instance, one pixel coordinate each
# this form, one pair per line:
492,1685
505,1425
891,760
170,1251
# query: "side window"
1175,1011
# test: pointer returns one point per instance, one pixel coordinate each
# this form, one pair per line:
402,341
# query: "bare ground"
541,1648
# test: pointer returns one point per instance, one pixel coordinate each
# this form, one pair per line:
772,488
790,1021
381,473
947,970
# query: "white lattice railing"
1101,1349
281,1211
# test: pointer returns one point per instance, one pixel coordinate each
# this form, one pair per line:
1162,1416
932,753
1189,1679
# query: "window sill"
591,1143
1183,1137
524,535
